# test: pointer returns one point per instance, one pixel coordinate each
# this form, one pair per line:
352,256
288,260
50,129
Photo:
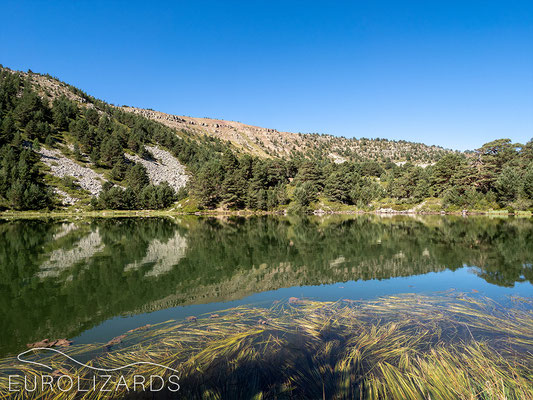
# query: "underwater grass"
443,346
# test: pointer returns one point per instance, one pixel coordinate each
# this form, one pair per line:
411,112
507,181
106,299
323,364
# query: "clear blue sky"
453,73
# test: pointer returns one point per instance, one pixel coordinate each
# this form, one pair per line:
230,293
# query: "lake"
91,280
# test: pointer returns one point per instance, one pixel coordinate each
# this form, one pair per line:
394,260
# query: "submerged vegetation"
445,346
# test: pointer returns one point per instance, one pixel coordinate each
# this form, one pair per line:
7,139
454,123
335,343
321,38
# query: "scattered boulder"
62,166
63,343
140,328
115,340
295,300
50,343
163,168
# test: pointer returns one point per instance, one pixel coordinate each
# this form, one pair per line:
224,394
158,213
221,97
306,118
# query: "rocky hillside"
62,147
265,142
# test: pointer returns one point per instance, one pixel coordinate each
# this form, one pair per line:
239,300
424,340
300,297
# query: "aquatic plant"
446,346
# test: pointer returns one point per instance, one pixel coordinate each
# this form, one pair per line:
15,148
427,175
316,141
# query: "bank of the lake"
13,214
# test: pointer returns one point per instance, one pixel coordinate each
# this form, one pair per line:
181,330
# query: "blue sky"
453,73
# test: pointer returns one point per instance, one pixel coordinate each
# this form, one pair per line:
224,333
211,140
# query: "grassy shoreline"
219,213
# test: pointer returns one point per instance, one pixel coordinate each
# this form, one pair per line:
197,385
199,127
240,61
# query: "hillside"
62,147
263,142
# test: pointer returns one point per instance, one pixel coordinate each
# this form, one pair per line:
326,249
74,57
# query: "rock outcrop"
165,168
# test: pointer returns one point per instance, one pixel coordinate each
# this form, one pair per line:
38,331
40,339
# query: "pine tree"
206,185
7,129
137,178
446,173
310,172
305,194
62,111
528,182
111,151
337,187
491,158
29,104
508,185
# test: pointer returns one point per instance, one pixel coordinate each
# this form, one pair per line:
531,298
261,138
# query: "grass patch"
332,206
187,205
431,204
396,204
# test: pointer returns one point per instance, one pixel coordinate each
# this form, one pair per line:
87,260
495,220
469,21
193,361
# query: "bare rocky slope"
266,142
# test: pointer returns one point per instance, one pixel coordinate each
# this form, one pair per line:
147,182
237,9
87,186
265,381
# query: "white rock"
62,166
166,167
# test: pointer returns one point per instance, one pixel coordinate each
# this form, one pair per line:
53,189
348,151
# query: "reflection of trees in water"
131,267
371,248
83,294
500,249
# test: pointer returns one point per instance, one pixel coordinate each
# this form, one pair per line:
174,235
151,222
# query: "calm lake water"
91,280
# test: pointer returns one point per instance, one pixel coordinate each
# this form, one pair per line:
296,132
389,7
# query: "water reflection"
59,278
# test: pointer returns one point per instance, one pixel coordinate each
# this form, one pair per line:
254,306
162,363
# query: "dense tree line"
498,175
21,184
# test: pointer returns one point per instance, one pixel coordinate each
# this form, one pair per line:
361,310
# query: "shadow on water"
60,278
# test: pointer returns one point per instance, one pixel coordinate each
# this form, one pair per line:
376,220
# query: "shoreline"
245,213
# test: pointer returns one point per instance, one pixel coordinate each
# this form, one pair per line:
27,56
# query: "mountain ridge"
259,141
268,142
